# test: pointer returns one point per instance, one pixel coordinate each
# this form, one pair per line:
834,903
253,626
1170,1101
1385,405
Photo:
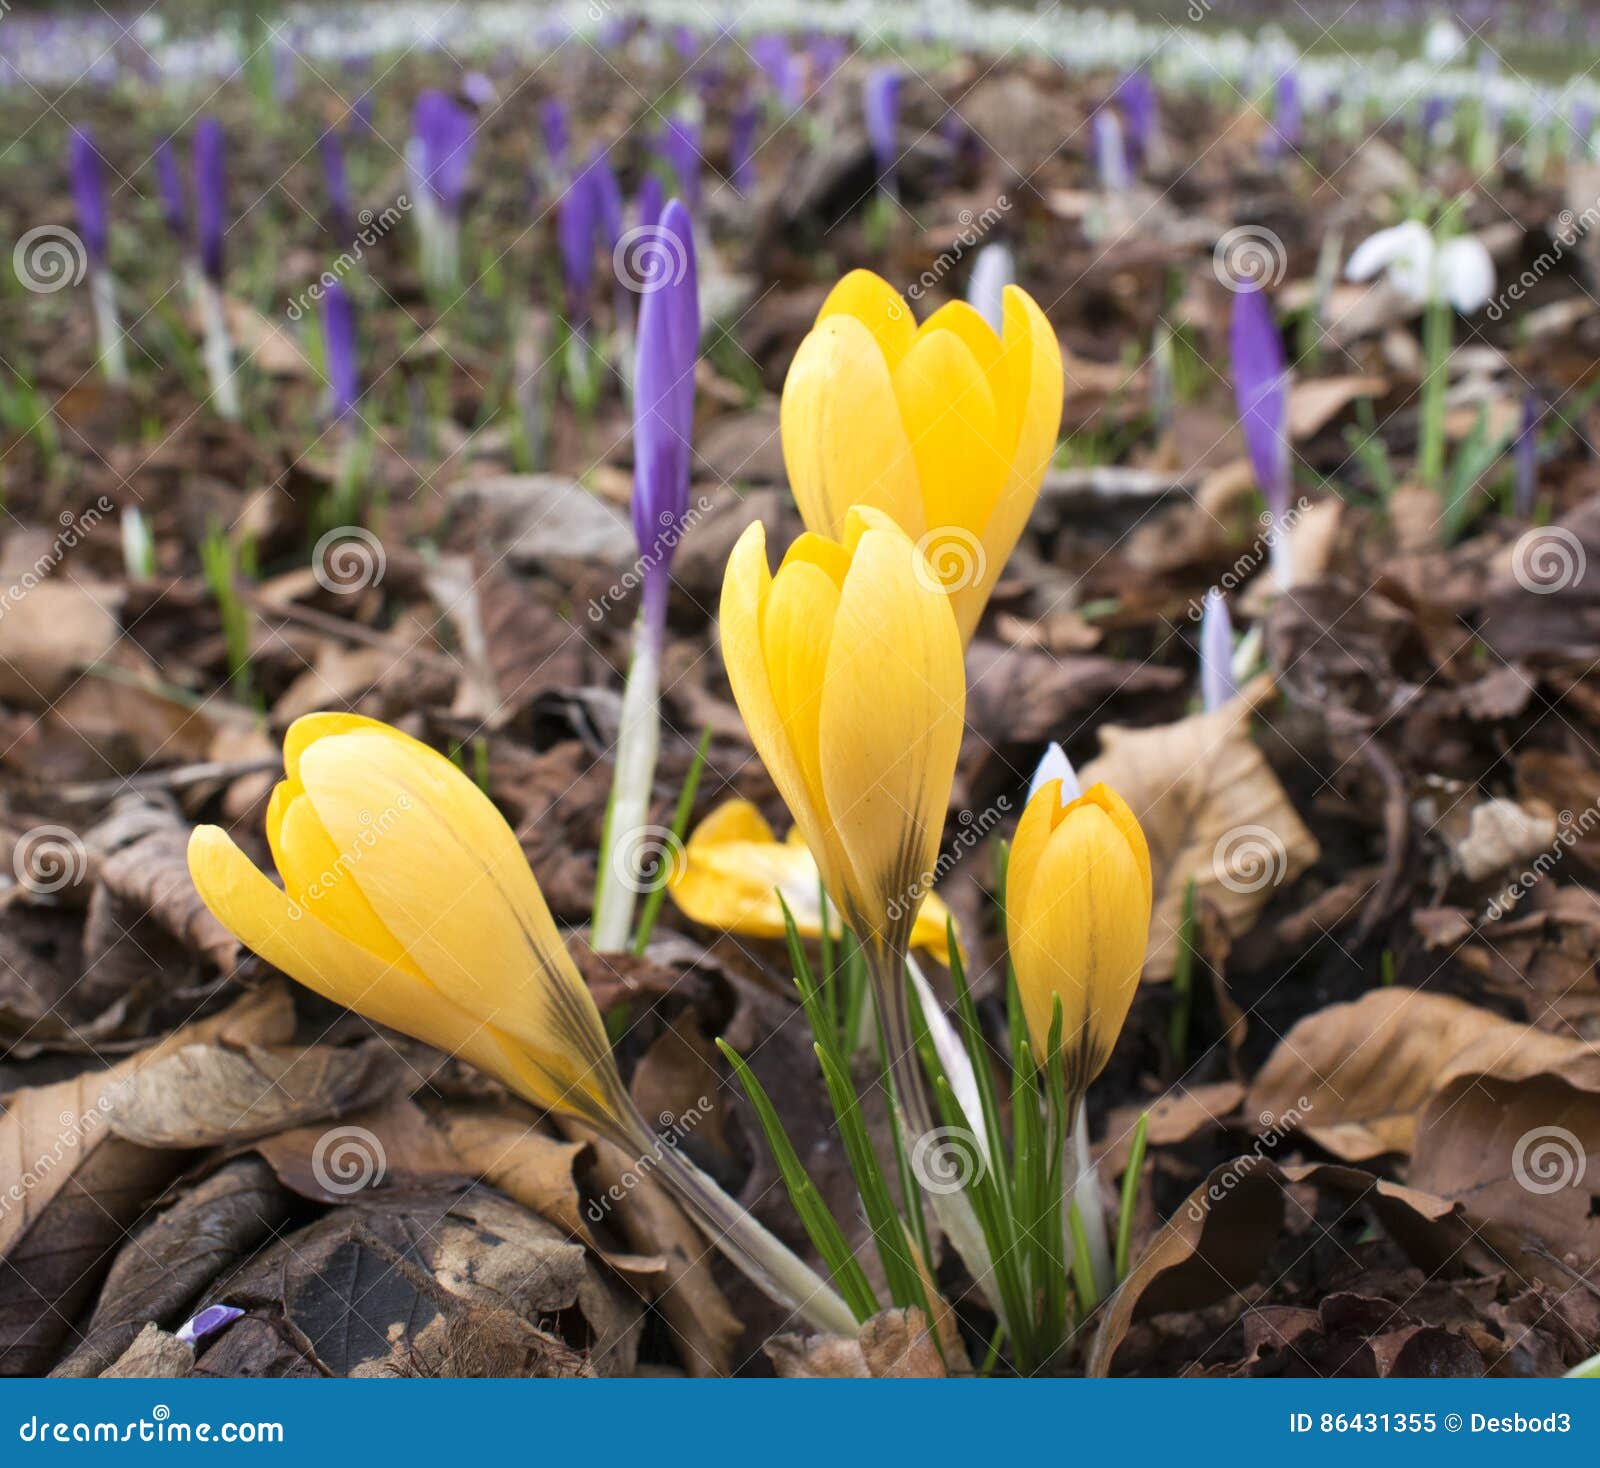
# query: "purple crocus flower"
338,185
443,130
89,194
210,195
1136,96
1261,390
339,341
1216,653
782,69
826,56
663,404
575,232
476,90
1285,129
607,199
680,148
1435,110
207,1322
169,184
880,97
1525,458
1110,157
742,145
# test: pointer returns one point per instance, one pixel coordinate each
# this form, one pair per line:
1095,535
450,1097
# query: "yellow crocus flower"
847,668
947,428
734,870
407,898
1078,895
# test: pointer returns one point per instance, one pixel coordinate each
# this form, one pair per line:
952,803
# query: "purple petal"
210,194
663,399
1216,652
88,193
169,184
207,1322
1261,390
332,154
339,338
444,129
880,97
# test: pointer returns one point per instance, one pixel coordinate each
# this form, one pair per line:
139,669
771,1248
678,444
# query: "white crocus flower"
992,272
1424,271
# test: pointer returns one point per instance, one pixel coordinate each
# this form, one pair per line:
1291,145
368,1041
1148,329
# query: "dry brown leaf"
1212,809
1354,1077
1523,1154
893,1344
206,1095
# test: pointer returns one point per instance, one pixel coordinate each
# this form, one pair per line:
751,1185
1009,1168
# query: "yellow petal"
958,318
949,414
878,306
796,627
1123,818
446,876
893,700
844,441
1038,820
1033,397
733,821
1079,933
289,937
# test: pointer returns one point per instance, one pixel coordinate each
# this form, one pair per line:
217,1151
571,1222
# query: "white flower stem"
218,350
108,330
1436,344
618,880
1085,1192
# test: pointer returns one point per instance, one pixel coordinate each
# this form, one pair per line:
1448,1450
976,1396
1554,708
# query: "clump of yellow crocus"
1078,895
847,668
737,876
407,898
947,428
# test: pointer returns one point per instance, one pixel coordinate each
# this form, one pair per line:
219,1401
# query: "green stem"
1437,330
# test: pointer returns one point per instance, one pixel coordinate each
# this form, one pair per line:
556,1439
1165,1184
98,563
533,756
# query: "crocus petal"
1216,652
888,763
950,419
1055,766
843,439
471,917
1261,390
1378,251
878,306
992,272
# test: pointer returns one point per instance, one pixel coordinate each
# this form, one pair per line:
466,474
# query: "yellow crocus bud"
847,668
407,897
1078,894
947,428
